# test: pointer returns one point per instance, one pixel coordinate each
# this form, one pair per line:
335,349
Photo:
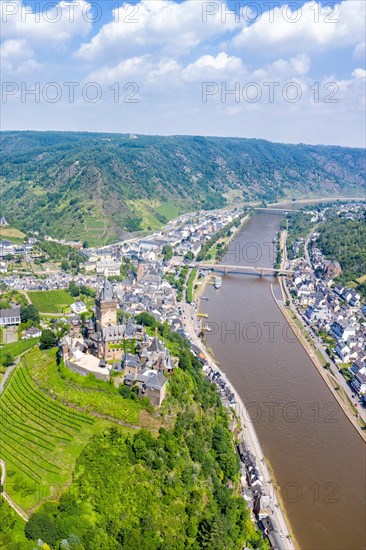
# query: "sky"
291,72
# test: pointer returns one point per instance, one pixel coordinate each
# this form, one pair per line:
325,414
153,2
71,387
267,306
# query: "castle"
103,346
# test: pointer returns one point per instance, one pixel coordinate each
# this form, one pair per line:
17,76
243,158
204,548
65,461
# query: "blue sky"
283,71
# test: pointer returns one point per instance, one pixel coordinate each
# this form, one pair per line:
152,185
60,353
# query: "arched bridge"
276,210
225,269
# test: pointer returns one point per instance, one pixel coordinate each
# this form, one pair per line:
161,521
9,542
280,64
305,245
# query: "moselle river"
317,457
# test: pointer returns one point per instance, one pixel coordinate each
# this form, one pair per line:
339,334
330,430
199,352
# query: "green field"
51,301
169,210
94,224
94,396
11,234
16,348
40,440
190,282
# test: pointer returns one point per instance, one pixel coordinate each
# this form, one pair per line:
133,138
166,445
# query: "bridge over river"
218,268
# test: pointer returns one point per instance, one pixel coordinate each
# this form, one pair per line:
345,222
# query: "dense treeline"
206,249
176,489
345,240
72,184
70,257
299,226
12,535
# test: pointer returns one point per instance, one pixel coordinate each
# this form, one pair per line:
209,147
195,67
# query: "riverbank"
286,311
312,200
226,240
301,433
249,436
323,372
198,293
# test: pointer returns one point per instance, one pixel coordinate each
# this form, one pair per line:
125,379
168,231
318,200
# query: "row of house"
8,248
334,309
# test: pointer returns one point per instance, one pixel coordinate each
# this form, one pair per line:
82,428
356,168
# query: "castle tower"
106,306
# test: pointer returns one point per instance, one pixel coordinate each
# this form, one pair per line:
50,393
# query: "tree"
29,313
65,266
146,319
120,316
8,360
126,267
167,252
129,393
74,290
87,291
41,526
48,340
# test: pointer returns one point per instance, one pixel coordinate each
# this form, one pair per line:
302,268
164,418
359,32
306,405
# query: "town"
107,338
333,313
147,275
105,331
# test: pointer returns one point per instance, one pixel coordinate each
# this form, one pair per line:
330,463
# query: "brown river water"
317,457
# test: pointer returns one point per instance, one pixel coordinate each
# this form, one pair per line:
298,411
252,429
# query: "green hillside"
99,187
345,240
39,440
120,488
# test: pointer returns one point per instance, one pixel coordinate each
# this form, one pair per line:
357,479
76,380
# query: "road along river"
317,457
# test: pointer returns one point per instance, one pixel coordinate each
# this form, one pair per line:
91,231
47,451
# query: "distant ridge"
99,187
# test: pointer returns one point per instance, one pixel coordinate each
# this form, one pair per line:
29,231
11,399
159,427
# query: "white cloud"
165,67
14,49
359,73
310,27
360,51
174,27
17,57
209,66
128,68
169,51
51,23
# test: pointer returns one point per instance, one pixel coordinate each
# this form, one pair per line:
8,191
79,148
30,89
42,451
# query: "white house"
108,268
343,351
10,317
342,330
32,332
78,307
6,247
3,267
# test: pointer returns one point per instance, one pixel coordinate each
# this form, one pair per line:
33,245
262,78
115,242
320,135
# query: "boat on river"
217,282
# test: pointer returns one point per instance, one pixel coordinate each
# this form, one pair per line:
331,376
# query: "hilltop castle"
103,346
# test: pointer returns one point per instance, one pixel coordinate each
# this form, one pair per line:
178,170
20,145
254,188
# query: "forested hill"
345,241
100,186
